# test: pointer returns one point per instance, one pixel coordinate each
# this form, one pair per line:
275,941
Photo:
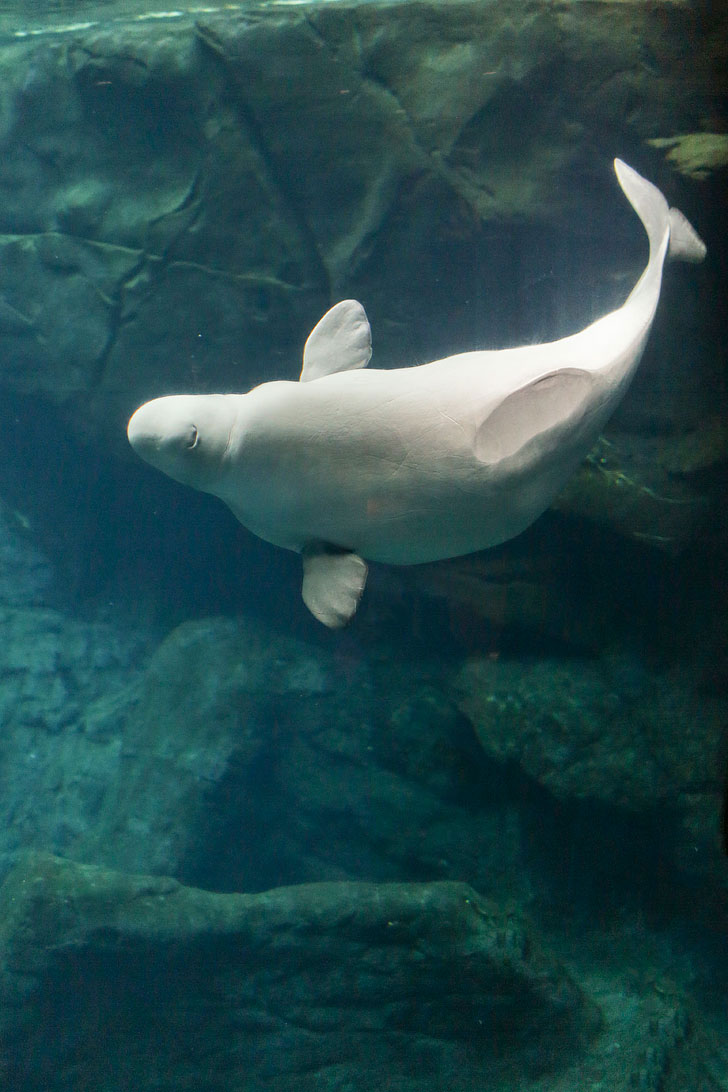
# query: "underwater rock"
604,729
54,777
190,735
309,987
696,155
242,759
322,986
613,734
66,290
25,572
245,758
641,488
530,592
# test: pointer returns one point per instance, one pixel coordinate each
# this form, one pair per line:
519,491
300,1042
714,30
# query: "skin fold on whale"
411,464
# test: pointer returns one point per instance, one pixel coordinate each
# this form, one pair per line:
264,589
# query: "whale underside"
413,464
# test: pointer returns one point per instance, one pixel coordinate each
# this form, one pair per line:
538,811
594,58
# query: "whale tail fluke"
658,218
685,243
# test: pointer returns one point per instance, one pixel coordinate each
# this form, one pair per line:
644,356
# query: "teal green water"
30,18
184,191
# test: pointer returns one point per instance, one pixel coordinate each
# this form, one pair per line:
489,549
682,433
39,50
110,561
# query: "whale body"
413,464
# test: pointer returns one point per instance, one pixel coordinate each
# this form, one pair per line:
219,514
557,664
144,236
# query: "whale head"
186,436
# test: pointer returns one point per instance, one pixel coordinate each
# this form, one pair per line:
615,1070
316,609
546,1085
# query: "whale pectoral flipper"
535,409
340,342
333,582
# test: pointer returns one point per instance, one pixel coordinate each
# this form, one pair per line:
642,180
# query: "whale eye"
192,436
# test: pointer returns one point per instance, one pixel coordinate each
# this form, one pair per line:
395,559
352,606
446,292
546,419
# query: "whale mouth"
134,432
148,436
141,436
163,433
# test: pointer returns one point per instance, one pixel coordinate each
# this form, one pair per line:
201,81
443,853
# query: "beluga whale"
354,464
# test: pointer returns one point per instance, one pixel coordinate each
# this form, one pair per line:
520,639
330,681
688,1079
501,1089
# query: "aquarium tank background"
477,839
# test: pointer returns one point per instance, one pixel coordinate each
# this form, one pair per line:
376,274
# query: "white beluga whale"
354,464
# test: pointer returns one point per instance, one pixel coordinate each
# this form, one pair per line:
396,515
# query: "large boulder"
318,987
243,758
322,986
610,733
247,758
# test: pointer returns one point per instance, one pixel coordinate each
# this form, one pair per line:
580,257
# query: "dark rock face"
250,759
26,572
238,756
243,759
146,983
307,987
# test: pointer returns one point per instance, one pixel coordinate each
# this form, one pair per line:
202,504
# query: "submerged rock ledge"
294,987
315,988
